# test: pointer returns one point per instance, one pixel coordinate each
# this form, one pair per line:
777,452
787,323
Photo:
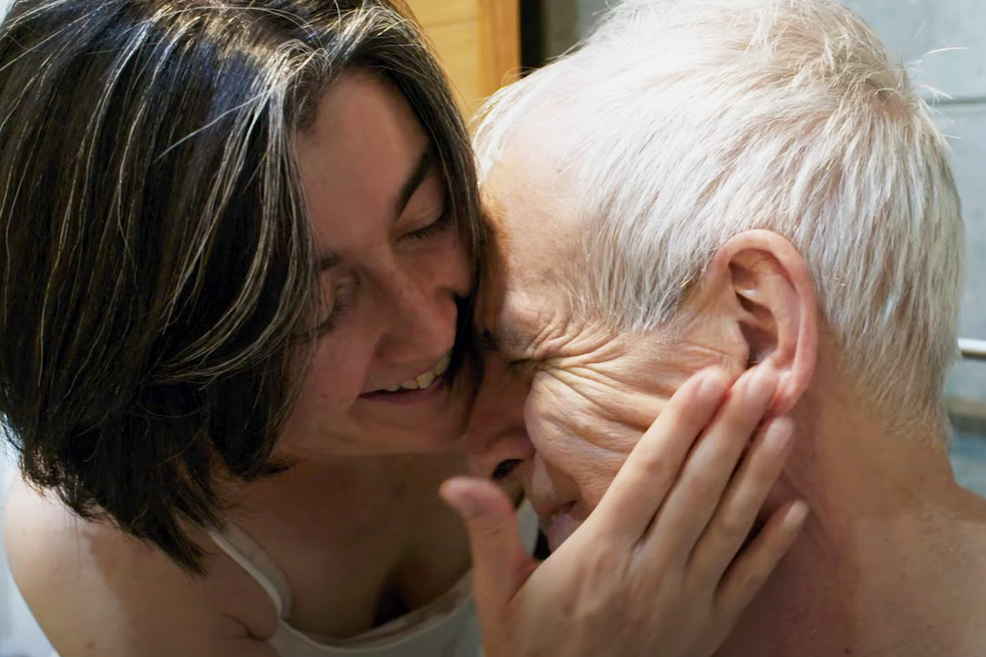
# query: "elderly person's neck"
891,560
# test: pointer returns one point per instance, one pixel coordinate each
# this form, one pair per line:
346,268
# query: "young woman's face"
393,269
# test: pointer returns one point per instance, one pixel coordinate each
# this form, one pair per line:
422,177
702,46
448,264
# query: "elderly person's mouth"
558,522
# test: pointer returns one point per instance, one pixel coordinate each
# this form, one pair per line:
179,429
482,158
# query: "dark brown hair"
158,267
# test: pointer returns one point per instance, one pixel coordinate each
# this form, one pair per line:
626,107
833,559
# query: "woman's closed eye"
428,211
433,227
342,299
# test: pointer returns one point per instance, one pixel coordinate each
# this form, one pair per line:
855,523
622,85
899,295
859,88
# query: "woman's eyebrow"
425,163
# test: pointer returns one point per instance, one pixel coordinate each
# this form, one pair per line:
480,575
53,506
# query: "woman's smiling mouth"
417,388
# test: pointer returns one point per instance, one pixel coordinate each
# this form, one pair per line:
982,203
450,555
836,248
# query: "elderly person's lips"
558,522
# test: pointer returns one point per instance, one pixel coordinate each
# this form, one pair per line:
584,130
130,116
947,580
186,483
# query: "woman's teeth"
425,380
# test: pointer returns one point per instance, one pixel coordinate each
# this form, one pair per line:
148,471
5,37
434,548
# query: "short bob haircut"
159,279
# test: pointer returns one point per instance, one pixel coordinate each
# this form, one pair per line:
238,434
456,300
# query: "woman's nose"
497,438
420,322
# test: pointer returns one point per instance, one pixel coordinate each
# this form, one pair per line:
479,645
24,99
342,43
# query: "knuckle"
742,587
656,469
487,530
731,528
704,486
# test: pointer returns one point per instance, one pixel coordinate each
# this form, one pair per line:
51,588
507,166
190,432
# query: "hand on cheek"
660,566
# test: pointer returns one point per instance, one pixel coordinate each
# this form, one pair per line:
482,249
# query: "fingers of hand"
748,573
500,563
699,488
745,496
640,487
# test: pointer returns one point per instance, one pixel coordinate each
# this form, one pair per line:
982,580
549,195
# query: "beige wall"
478,42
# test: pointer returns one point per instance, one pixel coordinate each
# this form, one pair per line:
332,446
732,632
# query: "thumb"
501,565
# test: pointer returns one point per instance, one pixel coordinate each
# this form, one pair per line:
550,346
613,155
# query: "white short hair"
690,121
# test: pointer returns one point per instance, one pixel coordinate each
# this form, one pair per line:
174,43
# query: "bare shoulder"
96,591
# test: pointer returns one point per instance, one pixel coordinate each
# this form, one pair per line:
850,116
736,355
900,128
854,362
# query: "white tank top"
447,627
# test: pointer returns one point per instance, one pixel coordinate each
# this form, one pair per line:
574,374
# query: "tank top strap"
247,553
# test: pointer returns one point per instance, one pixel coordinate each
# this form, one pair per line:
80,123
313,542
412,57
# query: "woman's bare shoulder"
97,591
41,531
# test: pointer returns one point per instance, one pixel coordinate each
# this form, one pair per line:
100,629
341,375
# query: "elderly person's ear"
775,308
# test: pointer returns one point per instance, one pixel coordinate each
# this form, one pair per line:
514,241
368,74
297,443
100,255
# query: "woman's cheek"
336,375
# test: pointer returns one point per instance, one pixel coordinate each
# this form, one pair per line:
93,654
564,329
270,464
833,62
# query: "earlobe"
775,308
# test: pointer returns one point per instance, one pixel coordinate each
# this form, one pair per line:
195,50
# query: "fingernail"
798,512
456,494
761,386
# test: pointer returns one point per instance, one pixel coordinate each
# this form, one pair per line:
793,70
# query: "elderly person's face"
591,391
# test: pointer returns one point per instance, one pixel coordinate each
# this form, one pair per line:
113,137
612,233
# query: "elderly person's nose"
497,437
